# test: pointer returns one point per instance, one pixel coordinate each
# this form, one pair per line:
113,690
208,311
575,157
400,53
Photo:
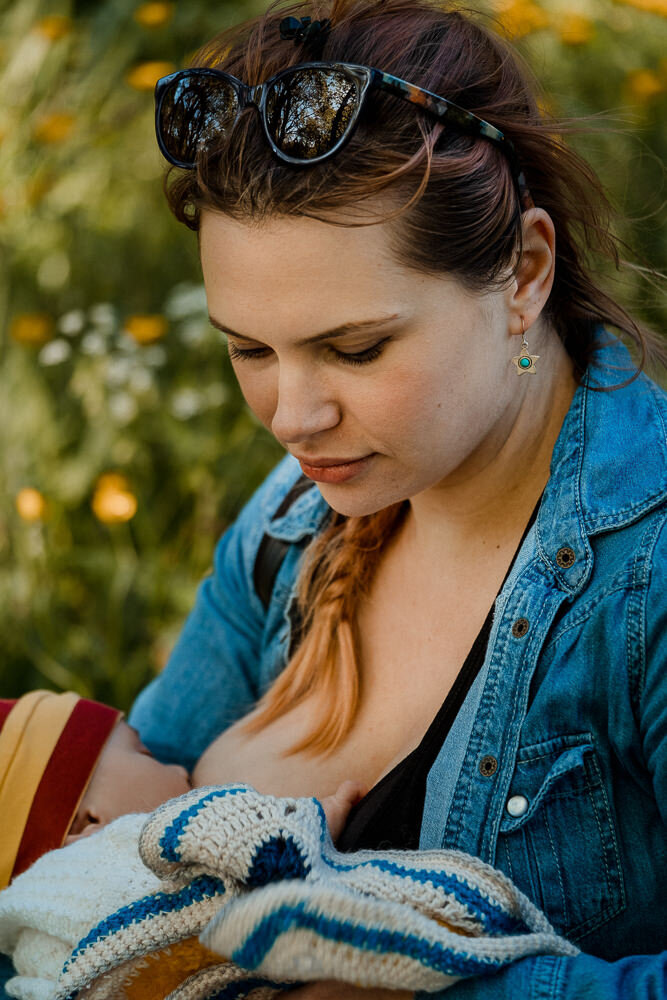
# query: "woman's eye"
362,357
358,358
243,354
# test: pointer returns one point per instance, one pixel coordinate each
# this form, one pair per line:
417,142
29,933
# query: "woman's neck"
493,493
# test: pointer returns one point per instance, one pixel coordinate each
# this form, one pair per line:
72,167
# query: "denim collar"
609,463
303,519
608,467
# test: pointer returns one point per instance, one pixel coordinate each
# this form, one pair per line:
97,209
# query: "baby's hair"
451,206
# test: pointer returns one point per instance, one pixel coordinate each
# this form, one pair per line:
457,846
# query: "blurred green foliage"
125,445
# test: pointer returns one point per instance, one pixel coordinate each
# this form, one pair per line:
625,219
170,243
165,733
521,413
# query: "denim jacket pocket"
557,839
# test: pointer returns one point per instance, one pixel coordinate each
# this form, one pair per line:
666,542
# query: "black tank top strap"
390,815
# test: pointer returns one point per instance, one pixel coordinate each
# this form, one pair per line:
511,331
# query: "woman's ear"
534,277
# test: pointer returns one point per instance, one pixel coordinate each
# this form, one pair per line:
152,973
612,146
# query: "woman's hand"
334,990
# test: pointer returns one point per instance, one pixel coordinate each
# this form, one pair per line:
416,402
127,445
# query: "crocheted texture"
259,879
328,932
51,906
186,970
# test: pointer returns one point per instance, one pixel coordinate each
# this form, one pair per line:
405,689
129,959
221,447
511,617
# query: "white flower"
55,352
154,355
140,381
118,370
185,300
193,332
186,403
94,344
103,316
127,343
123,407
72,322
215,394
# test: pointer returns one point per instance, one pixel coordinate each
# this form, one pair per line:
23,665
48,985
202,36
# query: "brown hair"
455,210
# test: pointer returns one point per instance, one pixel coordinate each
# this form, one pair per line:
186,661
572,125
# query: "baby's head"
127,779
67,766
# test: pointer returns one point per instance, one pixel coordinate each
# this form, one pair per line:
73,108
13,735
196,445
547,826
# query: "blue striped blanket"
255,884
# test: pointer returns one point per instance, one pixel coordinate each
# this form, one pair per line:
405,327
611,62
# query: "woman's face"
413,390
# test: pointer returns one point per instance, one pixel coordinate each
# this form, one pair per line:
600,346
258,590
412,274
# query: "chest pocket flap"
557,839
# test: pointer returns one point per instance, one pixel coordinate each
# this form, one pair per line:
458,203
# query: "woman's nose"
304,407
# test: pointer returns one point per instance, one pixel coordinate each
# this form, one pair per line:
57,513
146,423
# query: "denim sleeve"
652,675
584,977
212,676
546,977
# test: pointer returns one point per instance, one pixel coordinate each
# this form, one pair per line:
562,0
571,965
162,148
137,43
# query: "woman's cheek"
260,392
408,399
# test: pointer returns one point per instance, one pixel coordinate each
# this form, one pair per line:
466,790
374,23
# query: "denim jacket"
555,770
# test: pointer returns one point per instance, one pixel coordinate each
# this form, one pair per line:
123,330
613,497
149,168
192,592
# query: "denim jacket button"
565,557
517,805
520,627
488,765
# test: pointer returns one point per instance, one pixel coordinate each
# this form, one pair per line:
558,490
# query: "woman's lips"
333,470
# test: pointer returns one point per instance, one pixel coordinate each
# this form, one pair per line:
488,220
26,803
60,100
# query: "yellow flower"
113,502
520,17
30,504
644,84
32,328
54,26
146,329
575,29
652,6
145,75
54,128
548,107
154,15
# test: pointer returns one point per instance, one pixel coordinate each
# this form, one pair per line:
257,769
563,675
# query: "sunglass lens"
195,111
309,111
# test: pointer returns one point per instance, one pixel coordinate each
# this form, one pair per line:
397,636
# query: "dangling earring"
525,362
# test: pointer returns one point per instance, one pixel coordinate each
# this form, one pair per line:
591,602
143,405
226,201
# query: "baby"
156,902
70,767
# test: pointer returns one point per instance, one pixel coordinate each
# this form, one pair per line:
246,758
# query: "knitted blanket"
254,897
48,908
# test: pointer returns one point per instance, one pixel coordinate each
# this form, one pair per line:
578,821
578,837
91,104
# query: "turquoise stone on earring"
525,362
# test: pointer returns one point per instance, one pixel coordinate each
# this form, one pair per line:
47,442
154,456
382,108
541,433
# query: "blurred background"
125,448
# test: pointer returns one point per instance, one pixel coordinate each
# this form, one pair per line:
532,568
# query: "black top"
390,814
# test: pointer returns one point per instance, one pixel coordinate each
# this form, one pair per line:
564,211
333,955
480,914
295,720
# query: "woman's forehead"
303,275
317,247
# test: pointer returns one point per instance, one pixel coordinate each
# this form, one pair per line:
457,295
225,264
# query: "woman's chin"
357,501
350,506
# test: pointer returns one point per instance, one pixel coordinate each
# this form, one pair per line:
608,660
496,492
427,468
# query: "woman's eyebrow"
354,326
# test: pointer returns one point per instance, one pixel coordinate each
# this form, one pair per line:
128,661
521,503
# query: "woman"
464,613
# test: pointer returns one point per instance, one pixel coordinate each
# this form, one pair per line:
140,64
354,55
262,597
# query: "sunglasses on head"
308,112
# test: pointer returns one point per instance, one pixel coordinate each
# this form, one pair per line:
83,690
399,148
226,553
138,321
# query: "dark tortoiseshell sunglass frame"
364,79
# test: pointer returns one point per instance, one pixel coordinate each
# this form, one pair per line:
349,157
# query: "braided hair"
337,572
